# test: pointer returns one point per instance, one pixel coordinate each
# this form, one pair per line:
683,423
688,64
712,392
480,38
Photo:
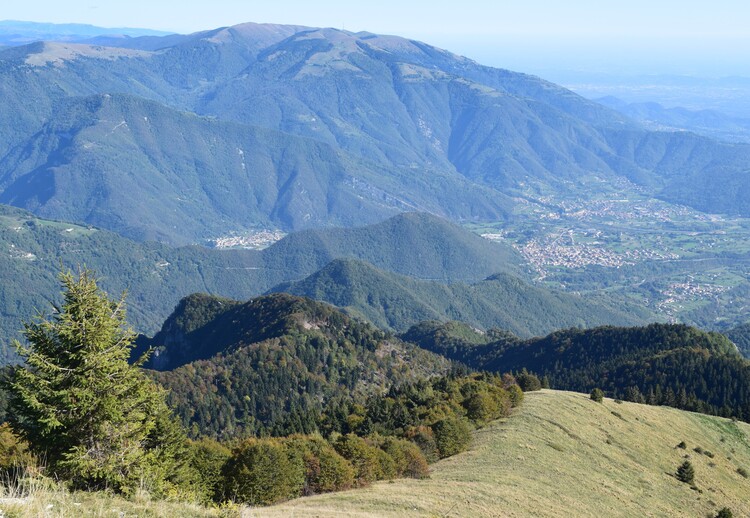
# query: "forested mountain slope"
397,125
393,301
156,276
234,369
664,364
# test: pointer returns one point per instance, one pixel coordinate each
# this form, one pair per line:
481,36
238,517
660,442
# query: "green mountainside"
235,369
390,125
149,172
666,364
740,335
369,150
414,244
156,277
562,454
396,302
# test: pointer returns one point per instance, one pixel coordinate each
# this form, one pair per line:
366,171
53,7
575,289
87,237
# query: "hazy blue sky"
681,34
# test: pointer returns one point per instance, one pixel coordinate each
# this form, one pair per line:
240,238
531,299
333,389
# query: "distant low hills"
414,244
235,369
15,32
393,301
156,276
710,123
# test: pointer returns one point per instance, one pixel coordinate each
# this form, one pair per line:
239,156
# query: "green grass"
565,455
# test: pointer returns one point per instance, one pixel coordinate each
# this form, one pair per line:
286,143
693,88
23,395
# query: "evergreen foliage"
98,421
740,335
396,302
686,472
269,366
597,395
660,364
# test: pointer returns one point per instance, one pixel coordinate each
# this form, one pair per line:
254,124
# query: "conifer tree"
686,472
95,419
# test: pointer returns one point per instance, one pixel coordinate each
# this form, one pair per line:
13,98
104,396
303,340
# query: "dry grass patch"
52,501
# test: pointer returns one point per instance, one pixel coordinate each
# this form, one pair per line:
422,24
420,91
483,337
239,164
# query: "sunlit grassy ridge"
565,455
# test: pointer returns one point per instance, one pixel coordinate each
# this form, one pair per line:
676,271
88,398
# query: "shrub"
481,406
262,472
364,458
452,436
207,458
333,473
597,395
324,469
387,465
686,472
725,512
424,438
682,445
528,382
516,395
14,454
743,472
408,458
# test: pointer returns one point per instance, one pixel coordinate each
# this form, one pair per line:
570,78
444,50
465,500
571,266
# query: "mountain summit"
301,127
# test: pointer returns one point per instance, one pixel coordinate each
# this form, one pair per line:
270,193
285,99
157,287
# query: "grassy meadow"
565,455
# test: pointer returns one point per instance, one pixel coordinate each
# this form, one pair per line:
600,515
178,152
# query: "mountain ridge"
396,302
156,276
606,459
417,124
274,357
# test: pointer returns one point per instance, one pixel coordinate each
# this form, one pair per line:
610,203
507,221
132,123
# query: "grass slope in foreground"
565,455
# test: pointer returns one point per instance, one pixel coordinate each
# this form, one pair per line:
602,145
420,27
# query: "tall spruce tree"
95,419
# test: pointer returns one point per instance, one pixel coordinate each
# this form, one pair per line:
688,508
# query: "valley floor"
565,455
